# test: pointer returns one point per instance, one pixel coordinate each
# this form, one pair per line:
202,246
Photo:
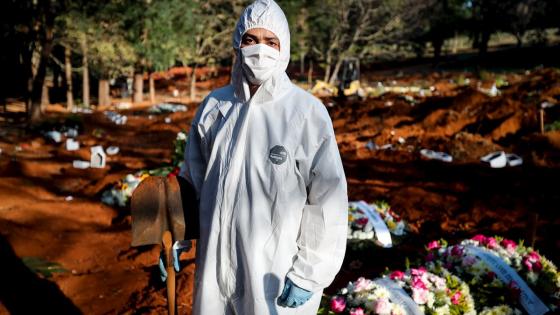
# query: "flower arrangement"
394,222
121,192
361,227
424,292
489,289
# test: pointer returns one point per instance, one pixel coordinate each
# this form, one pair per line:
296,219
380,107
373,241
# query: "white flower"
442,310
431,300
398,310
420,296
532,277
499,310
181,136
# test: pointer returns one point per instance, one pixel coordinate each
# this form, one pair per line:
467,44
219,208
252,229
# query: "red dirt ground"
106,276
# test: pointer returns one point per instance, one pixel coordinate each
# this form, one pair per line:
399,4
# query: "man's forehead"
260,33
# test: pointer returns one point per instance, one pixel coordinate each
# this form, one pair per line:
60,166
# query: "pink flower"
417,283
398,275
382,306
433,245
534,256
532,261
479,238
420,296
509,245
491,243
418,272
338,304
456,298
361,284
357,311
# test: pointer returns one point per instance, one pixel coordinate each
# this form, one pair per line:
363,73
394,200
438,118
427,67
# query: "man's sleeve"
191,177
194,166
323,231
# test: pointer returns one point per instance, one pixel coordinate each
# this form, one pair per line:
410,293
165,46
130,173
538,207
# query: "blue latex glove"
177,249
293,296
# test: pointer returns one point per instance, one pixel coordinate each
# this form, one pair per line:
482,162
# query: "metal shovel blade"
156,208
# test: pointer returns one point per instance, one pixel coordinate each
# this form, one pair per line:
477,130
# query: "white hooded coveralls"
273,199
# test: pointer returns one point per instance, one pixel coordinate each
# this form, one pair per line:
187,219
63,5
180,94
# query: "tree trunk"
193,83
327,70
336,69
152,88
438,44
45,99
519,38
39,80
34,63
138,88
68,72
85,74
484,38
104,99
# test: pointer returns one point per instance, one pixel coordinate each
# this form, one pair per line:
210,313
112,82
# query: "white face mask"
259,62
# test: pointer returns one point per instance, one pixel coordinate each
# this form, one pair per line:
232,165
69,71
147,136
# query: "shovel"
157,216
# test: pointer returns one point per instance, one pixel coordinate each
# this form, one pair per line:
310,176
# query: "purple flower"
430,257
456,251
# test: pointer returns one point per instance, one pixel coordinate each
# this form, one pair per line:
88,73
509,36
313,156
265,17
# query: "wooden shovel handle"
168,248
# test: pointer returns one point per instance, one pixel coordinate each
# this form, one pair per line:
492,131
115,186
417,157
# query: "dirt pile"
460,118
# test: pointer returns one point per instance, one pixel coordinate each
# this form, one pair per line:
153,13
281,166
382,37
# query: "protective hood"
268,15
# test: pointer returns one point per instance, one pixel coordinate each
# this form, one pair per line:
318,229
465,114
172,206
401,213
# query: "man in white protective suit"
263,159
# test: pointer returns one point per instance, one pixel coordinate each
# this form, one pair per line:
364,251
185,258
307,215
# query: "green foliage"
158,30
161,171
42,267
552,126
92,30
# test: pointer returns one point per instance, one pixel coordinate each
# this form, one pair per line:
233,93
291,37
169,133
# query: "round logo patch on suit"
278,154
